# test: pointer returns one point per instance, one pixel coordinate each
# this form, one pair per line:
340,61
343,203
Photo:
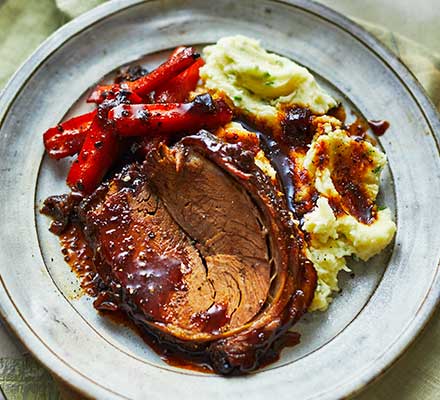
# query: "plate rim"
11,316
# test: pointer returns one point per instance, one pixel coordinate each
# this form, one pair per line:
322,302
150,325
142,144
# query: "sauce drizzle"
79,256
280,160
213,319
378,127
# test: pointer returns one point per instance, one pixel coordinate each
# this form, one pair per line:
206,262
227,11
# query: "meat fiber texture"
198,247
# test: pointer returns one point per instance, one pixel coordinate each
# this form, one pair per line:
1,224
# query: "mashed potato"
260,83
334,237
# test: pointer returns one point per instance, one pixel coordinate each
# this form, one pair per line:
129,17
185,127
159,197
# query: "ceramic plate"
372,321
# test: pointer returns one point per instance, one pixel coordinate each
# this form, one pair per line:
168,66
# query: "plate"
367,327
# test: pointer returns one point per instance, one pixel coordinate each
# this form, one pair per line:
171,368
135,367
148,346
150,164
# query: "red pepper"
176,50
111,92
67,138
99,151
178,88
168,118
178,62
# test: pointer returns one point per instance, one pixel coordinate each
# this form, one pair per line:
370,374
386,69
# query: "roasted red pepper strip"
115,91
178,62
178,88
176,50
163,119
99,151
123,96
67,138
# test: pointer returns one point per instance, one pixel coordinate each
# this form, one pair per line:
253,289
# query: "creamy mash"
259,84
334,237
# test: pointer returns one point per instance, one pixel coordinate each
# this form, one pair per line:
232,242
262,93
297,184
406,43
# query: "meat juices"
197,246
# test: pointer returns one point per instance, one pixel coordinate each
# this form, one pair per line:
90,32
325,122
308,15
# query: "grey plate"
366,328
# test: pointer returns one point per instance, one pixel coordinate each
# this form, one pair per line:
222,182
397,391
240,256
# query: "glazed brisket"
198,247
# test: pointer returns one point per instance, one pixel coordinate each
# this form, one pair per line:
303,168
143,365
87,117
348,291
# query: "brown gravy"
379,127
79,256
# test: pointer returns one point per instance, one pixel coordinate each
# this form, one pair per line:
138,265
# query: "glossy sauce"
213,319
347,176
348,171
360,127
357,128
282,164
153,283
296,128
378,127
280,161
354,198
288,339
79,256
172,355
339,113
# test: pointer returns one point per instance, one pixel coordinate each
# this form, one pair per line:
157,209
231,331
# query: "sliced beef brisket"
197,246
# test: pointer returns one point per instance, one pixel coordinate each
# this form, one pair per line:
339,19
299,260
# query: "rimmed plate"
379,312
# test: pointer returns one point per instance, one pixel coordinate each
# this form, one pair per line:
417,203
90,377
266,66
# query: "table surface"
421,25
417,20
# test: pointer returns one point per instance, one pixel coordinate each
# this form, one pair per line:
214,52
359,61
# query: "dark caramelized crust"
294,278
197,246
